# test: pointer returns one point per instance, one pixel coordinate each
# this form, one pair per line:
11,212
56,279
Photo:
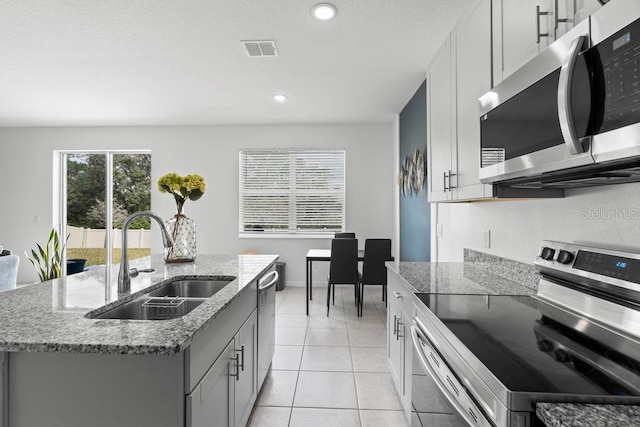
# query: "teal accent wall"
415,212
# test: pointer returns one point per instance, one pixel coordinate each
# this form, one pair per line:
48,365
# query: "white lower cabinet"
226,394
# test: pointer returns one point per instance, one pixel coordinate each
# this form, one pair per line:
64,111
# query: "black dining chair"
344,236
343,268
374,272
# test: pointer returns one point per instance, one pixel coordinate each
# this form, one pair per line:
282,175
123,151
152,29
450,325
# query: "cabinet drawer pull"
538,15
397,294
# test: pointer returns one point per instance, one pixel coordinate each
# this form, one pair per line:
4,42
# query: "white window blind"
292,191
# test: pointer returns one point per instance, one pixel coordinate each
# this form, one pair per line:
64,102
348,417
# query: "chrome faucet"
124,276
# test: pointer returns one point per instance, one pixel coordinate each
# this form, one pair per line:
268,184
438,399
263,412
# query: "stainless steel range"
577,340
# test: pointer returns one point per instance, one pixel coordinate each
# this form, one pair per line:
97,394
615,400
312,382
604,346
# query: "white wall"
26,167
607,216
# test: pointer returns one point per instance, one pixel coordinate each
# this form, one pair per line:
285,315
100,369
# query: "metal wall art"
413,173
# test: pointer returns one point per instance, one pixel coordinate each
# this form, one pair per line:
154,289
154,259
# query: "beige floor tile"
376,391
327,337
365,322
326,390
287,357
315,358
290,336
265,416
367,338
287,320
310,417
374,418
334,321
278,389
369,359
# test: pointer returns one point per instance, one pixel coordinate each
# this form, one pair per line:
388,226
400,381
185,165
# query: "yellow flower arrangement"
183,188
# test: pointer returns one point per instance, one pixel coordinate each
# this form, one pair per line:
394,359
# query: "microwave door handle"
567,126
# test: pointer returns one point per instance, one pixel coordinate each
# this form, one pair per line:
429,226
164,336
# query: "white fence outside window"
96,238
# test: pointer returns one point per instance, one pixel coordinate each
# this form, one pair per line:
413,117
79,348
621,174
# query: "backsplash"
516,271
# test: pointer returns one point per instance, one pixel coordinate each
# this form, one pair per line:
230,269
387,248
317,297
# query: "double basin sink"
169,301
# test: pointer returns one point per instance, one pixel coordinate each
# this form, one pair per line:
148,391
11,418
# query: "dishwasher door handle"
261,283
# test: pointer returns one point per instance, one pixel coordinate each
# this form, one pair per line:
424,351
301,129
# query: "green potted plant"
47,260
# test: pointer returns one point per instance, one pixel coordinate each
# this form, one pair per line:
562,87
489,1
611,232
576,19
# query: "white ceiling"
180,62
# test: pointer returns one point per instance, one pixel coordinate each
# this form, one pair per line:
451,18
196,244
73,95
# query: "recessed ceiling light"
280,97
323,11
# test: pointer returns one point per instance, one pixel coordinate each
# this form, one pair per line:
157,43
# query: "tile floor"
329,371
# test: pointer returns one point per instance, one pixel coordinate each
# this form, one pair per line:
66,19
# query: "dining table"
321,255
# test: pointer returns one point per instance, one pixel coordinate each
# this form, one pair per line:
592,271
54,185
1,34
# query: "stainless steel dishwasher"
266,322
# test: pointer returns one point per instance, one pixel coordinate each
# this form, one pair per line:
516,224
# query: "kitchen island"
61,368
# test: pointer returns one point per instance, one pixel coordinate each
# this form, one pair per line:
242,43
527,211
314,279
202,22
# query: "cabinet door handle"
558,20
398,336
397,294
236,360
449,176
395,324
241,351
444,178
538,15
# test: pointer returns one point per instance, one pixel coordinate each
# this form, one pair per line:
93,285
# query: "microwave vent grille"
491,156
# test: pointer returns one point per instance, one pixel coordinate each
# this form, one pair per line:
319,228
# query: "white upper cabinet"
473,79
521,30
457,76
440,122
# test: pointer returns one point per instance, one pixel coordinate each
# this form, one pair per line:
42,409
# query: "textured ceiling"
181,62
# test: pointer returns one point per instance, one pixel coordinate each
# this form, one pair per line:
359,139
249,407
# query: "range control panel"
565,259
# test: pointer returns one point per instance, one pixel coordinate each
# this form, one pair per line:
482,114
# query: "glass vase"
183,231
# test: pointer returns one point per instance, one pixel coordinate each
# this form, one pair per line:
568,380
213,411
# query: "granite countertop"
455,278
587,415
50,316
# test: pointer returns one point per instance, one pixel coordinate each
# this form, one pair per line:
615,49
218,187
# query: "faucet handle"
134,271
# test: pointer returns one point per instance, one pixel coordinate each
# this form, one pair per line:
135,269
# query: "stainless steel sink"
199,288
171,300
145,308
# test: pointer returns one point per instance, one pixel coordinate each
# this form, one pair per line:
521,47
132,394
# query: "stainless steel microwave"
571,116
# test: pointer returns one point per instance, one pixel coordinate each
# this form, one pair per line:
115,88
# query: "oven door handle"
567,127
472,417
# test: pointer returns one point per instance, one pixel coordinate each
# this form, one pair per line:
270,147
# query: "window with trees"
100,190
292,192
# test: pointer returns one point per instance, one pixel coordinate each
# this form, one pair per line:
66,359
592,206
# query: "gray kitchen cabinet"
457,76
395,333
399,344
226,394
441,122
210,404
246,370
521,30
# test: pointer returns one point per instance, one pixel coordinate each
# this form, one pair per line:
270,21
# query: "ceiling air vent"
260,47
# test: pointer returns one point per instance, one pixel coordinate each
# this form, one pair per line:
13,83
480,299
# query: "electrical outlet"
439,230
486,238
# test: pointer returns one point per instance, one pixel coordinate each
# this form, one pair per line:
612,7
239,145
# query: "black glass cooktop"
530,352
